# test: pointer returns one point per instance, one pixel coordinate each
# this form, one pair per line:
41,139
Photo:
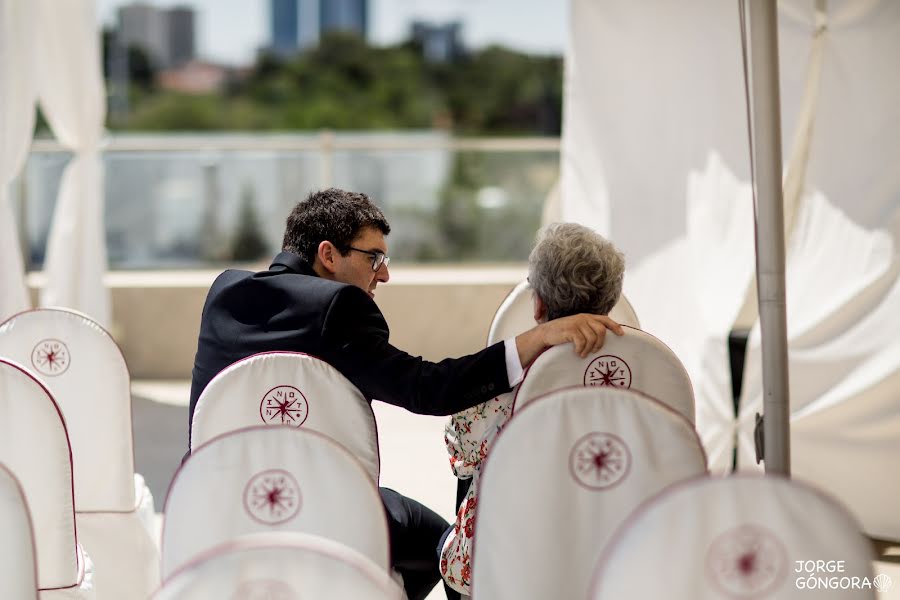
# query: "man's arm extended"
586,331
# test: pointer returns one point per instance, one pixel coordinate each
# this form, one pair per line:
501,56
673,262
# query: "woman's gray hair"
575,270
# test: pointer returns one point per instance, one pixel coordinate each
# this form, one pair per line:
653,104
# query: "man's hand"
585,331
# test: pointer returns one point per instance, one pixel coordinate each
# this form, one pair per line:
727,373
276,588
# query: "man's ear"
540,309
326,256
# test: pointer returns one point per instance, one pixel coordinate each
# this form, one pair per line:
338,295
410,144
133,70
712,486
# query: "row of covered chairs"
588,453
603,493
304,393
89,433
67,403
592,439
35,451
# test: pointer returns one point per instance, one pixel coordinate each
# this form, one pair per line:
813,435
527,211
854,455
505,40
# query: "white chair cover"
81,365
126,556
18,572
515,314
280,565
288,388
547,509
84,369
34,445
636,361
736,537
263,479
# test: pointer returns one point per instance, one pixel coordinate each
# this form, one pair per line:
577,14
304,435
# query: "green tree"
458,214
346,84
248,243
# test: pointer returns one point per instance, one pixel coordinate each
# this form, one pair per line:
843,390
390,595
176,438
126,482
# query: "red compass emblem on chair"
272,497
599,461
609,371
50,357
284,405
746,562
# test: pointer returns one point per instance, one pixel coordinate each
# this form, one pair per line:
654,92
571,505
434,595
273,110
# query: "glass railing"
197,201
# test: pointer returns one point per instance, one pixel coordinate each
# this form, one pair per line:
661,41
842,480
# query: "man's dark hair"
334,215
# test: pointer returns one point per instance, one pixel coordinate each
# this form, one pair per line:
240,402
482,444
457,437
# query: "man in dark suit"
318,297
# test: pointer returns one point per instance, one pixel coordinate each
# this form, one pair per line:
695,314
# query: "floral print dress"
469,435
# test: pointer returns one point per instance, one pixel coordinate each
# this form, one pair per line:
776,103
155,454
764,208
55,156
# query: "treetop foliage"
346,84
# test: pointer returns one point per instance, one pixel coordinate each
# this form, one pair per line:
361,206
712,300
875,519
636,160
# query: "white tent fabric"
288,388
844,358
636,361
34,445
601,452
737,537
18,93
73,99
281,565
515,314
18,572
271,478
705,274
626,154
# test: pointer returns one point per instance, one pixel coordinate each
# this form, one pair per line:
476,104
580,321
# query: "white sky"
230,31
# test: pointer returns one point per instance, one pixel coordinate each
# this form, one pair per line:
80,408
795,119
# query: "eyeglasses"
378,258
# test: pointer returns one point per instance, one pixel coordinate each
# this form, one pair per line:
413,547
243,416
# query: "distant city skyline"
231,31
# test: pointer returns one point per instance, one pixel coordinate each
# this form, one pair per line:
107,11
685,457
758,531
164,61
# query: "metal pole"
765,132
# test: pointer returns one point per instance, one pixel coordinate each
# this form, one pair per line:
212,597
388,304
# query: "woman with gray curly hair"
572,269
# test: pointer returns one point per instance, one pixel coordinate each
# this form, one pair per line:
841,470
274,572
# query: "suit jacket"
290,308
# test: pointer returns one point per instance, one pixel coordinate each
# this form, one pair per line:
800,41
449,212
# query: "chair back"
18,573
742,536
271,478
293,389
280,565
34,445
81,365
515,314
599,452
636,361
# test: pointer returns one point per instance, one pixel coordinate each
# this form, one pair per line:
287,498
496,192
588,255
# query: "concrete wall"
433,312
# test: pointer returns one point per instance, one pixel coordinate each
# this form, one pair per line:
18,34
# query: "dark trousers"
415,532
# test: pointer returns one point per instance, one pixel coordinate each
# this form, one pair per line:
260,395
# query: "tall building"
181,35
344,15
166,35
284,22
146,27
308,29
440,43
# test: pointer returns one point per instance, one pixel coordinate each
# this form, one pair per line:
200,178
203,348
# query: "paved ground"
413,459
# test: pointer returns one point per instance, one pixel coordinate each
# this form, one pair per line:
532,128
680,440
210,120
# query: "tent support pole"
765,131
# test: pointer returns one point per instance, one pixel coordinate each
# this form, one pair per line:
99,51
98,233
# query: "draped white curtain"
17,98
655,154
73,99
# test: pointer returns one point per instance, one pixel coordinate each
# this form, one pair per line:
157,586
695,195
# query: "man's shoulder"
228,277
236,278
